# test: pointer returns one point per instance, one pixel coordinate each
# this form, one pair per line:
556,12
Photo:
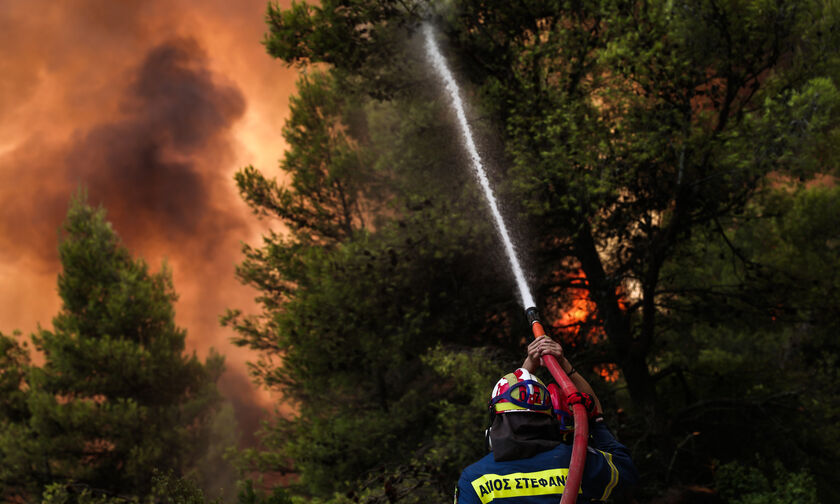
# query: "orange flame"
578,321
608,371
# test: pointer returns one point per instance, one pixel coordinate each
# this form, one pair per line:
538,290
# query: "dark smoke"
114,97
155,169
151,169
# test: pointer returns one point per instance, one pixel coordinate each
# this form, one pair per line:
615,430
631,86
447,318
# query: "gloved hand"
584,399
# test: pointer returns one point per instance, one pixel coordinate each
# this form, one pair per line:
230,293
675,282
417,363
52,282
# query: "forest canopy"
669,169
669,172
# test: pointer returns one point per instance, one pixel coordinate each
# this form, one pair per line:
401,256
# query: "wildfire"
578,322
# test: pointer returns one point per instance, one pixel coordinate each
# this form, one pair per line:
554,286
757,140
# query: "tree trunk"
630,355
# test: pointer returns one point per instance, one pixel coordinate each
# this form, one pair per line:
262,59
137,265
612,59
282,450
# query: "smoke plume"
151,106
153,169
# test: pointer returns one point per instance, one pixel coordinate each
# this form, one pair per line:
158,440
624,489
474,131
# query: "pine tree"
117,397
632,132
357,302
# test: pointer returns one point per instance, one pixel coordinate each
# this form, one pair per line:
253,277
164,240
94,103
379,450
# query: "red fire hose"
568,388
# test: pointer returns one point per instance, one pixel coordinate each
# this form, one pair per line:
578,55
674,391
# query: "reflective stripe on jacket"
541,479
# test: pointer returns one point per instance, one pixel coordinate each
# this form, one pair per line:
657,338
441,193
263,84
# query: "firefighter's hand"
544,346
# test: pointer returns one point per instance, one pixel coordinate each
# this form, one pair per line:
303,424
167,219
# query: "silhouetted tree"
116,396
636,137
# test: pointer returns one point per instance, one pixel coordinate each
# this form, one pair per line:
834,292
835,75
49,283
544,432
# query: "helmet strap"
492,410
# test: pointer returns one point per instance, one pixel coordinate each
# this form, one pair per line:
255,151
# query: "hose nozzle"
534,321
532,315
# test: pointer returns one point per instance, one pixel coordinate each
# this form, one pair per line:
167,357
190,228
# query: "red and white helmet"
519,392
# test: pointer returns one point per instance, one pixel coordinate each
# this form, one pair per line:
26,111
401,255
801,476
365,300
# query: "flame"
578,322
608,371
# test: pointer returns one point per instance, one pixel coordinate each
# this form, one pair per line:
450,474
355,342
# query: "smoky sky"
150,106
155,168
150,169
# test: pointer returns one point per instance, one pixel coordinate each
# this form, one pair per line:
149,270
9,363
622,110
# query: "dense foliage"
359,297
671,163
669,170
116,397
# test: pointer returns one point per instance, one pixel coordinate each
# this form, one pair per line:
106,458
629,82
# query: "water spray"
578,459
439,63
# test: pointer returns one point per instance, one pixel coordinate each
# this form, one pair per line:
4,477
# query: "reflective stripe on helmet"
520,391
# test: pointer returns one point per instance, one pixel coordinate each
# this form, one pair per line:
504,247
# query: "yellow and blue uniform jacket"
541,479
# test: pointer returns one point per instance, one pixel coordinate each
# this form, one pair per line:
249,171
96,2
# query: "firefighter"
531,444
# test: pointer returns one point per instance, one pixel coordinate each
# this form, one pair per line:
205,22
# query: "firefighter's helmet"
520,392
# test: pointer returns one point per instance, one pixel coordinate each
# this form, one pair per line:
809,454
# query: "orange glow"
608,372
84,101
578,321
578,315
